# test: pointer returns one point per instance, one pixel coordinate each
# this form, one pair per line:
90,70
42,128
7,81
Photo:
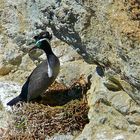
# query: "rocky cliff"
91,37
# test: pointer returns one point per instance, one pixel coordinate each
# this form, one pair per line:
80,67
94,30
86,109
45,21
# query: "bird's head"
41,40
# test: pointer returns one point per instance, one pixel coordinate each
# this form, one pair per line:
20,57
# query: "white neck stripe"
50,72
42,40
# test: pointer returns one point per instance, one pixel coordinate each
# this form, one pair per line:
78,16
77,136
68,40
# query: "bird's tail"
14,101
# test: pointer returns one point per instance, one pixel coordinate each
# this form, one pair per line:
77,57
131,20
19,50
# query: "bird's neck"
49,53
47,48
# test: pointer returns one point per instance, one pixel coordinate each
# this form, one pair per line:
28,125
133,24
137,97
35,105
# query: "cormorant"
43,75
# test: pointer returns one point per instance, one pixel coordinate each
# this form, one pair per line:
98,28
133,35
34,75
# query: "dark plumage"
43,75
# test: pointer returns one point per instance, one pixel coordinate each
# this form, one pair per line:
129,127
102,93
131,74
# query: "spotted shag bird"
43,75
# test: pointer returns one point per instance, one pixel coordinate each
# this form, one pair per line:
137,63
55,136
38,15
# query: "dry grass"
36,121
33,121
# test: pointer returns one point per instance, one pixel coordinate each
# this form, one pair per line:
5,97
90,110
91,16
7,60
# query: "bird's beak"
32,48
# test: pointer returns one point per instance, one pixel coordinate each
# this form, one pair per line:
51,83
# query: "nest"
39,120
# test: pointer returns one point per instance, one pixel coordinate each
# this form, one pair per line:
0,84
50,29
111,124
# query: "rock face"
105,33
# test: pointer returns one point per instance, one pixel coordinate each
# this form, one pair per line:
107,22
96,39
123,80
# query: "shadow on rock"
59,94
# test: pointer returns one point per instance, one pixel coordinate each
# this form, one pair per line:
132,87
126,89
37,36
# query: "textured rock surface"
103,32
8,90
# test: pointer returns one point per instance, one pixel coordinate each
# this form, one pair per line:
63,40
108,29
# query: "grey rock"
60,137
8,90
